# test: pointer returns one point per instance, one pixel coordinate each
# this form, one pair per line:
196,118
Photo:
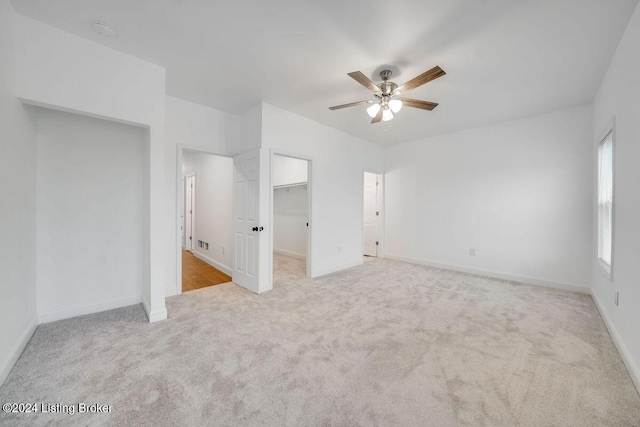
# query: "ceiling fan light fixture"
387,115
395,105
373,110
386,104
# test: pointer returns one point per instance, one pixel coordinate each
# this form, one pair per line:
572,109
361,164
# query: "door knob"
254,229
261,228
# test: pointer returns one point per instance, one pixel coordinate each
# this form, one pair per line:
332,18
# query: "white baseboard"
496,274
320,273
14,354
289,253
632,367
169,292
213,263
157,315
67,313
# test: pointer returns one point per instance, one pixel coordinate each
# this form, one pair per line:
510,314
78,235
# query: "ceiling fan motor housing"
386,86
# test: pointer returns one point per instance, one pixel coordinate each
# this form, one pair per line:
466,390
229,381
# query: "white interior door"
251,257
189,207
183,227
370,231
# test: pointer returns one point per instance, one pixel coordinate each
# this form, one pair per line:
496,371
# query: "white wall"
67,71
18,208
90,216
338,162
288,170
62,71
213,207
195,127
519,192
250,132
619,97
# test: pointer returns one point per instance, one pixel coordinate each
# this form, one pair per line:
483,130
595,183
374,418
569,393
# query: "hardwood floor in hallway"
198,274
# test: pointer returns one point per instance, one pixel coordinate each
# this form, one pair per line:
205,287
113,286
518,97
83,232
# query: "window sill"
606,269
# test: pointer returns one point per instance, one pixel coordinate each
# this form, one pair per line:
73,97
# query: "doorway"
206,219
372,215
291,202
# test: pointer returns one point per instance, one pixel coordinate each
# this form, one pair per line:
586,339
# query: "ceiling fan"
388,100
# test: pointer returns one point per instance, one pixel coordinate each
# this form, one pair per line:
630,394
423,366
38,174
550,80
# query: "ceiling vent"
103,29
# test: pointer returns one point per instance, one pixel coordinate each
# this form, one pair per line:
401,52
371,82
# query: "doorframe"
380,203
181,148
284,153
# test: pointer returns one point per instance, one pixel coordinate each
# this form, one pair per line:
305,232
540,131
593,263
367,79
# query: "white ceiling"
504,58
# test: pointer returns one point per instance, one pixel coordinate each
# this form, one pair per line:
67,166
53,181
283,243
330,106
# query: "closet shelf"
299,184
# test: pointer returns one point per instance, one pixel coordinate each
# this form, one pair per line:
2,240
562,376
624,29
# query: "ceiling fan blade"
416,103
378,117
364,81
423,78
353,104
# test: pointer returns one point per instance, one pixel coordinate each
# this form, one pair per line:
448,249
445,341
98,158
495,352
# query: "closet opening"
291,227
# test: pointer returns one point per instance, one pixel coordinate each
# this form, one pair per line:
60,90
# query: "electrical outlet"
472,251
617,301
339,249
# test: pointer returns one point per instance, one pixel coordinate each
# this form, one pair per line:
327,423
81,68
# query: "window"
605,202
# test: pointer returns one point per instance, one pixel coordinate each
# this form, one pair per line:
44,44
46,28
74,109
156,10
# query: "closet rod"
275,187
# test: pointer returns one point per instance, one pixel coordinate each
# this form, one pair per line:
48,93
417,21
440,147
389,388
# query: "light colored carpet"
388,343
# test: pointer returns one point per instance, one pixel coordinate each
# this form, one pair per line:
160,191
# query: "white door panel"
251,182
183,226
370,211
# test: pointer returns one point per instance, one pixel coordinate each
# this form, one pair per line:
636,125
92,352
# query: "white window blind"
605,199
